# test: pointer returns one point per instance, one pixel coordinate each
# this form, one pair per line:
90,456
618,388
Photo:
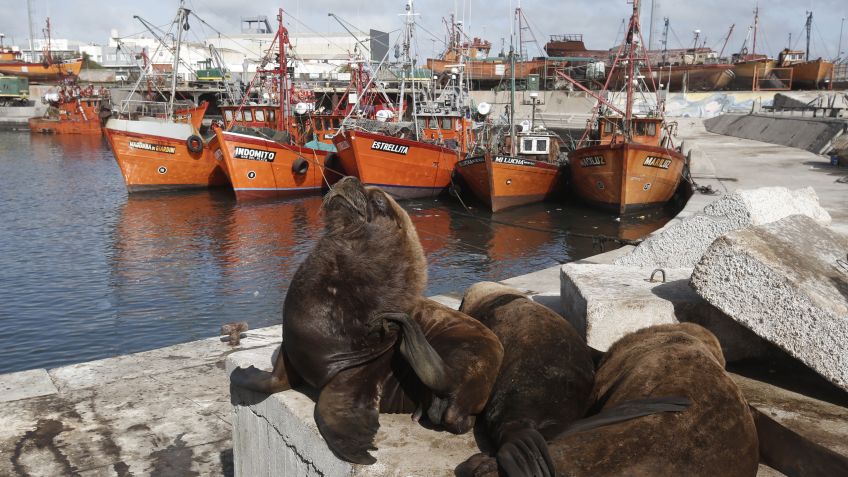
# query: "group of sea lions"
357,328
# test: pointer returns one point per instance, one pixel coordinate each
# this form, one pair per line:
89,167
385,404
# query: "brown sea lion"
356,328
547,371
715,435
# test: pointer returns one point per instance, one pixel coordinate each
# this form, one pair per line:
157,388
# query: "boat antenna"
31,42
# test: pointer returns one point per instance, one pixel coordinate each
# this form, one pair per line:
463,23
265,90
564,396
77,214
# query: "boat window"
238,116
260,115
446,123
271,115
422,123
541,145
335,123
652,129
228,115
248,115
608,127
528,145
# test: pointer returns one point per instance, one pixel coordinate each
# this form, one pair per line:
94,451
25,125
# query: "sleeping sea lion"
356,328
547,371
715,435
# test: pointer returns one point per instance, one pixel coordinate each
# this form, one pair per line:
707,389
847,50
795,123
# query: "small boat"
415,157
73,110
49,69
158,146
812,74
507,178
624,162
261,145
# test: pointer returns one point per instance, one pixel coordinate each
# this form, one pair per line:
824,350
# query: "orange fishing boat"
74,111
13,64
811,74
509,178
627,163
162,151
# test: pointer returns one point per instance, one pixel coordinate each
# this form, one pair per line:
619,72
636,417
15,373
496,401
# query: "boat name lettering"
153,147
514,161
253,154
472,160
389,147
592,161
659,162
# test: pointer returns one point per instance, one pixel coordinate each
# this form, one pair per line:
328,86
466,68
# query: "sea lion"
715,435
356,328
547,371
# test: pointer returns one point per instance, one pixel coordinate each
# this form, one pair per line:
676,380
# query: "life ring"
300,166
194,143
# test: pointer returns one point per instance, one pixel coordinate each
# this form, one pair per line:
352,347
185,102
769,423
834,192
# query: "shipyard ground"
168,411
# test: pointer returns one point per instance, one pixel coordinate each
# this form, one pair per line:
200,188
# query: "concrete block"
606,302
682,243
277,435
782,281
26,384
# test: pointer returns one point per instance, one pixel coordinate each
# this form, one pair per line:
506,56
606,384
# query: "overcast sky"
598,20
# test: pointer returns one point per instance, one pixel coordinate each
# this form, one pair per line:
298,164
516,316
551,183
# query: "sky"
598,20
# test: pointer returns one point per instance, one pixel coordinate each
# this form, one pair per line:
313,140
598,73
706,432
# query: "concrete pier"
169,411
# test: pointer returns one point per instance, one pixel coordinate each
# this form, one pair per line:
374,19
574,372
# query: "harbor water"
88,271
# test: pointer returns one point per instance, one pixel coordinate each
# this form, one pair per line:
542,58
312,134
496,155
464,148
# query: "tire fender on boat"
194,143
300,166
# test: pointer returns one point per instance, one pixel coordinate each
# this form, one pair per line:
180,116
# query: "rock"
681,244
786,281
277,435
606,302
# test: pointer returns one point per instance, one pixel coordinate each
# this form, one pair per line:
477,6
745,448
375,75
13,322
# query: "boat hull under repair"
626,177
502,182
405,169
154,155
260,168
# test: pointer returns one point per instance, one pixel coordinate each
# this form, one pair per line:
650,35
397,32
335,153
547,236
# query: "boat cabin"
253,115
325,126
646,131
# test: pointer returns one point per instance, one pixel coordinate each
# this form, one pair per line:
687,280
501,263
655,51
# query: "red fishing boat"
50,68
73,110
626,162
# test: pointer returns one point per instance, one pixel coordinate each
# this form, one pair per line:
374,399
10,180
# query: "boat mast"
808,26
756,23
31,42
409,25
283,90
665,41
631,68
512,149
181,23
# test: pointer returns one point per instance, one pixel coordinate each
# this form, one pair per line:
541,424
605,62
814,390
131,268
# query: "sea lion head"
352,205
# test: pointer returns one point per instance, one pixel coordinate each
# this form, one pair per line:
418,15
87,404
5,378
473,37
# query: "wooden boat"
261,168
701,77
164,155
628,163
13,64
76,111
746,70
404,168
502,180
165,151
812,74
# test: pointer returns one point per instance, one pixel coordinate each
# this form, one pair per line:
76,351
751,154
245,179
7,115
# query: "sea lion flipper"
630,410
281,378
420,354
524,453
347,413
478,465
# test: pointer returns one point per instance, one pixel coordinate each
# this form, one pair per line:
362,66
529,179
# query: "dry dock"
168,411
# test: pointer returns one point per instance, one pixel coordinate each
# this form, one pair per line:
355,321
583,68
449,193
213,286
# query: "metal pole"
839,48
808,26
180,21
31,42
651,30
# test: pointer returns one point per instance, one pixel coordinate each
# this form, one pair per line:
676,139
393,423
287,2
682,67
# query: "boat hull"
811,74
405,169
744,73
40,72
503,182
154,155
77,117
261,169
626,177
680,78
